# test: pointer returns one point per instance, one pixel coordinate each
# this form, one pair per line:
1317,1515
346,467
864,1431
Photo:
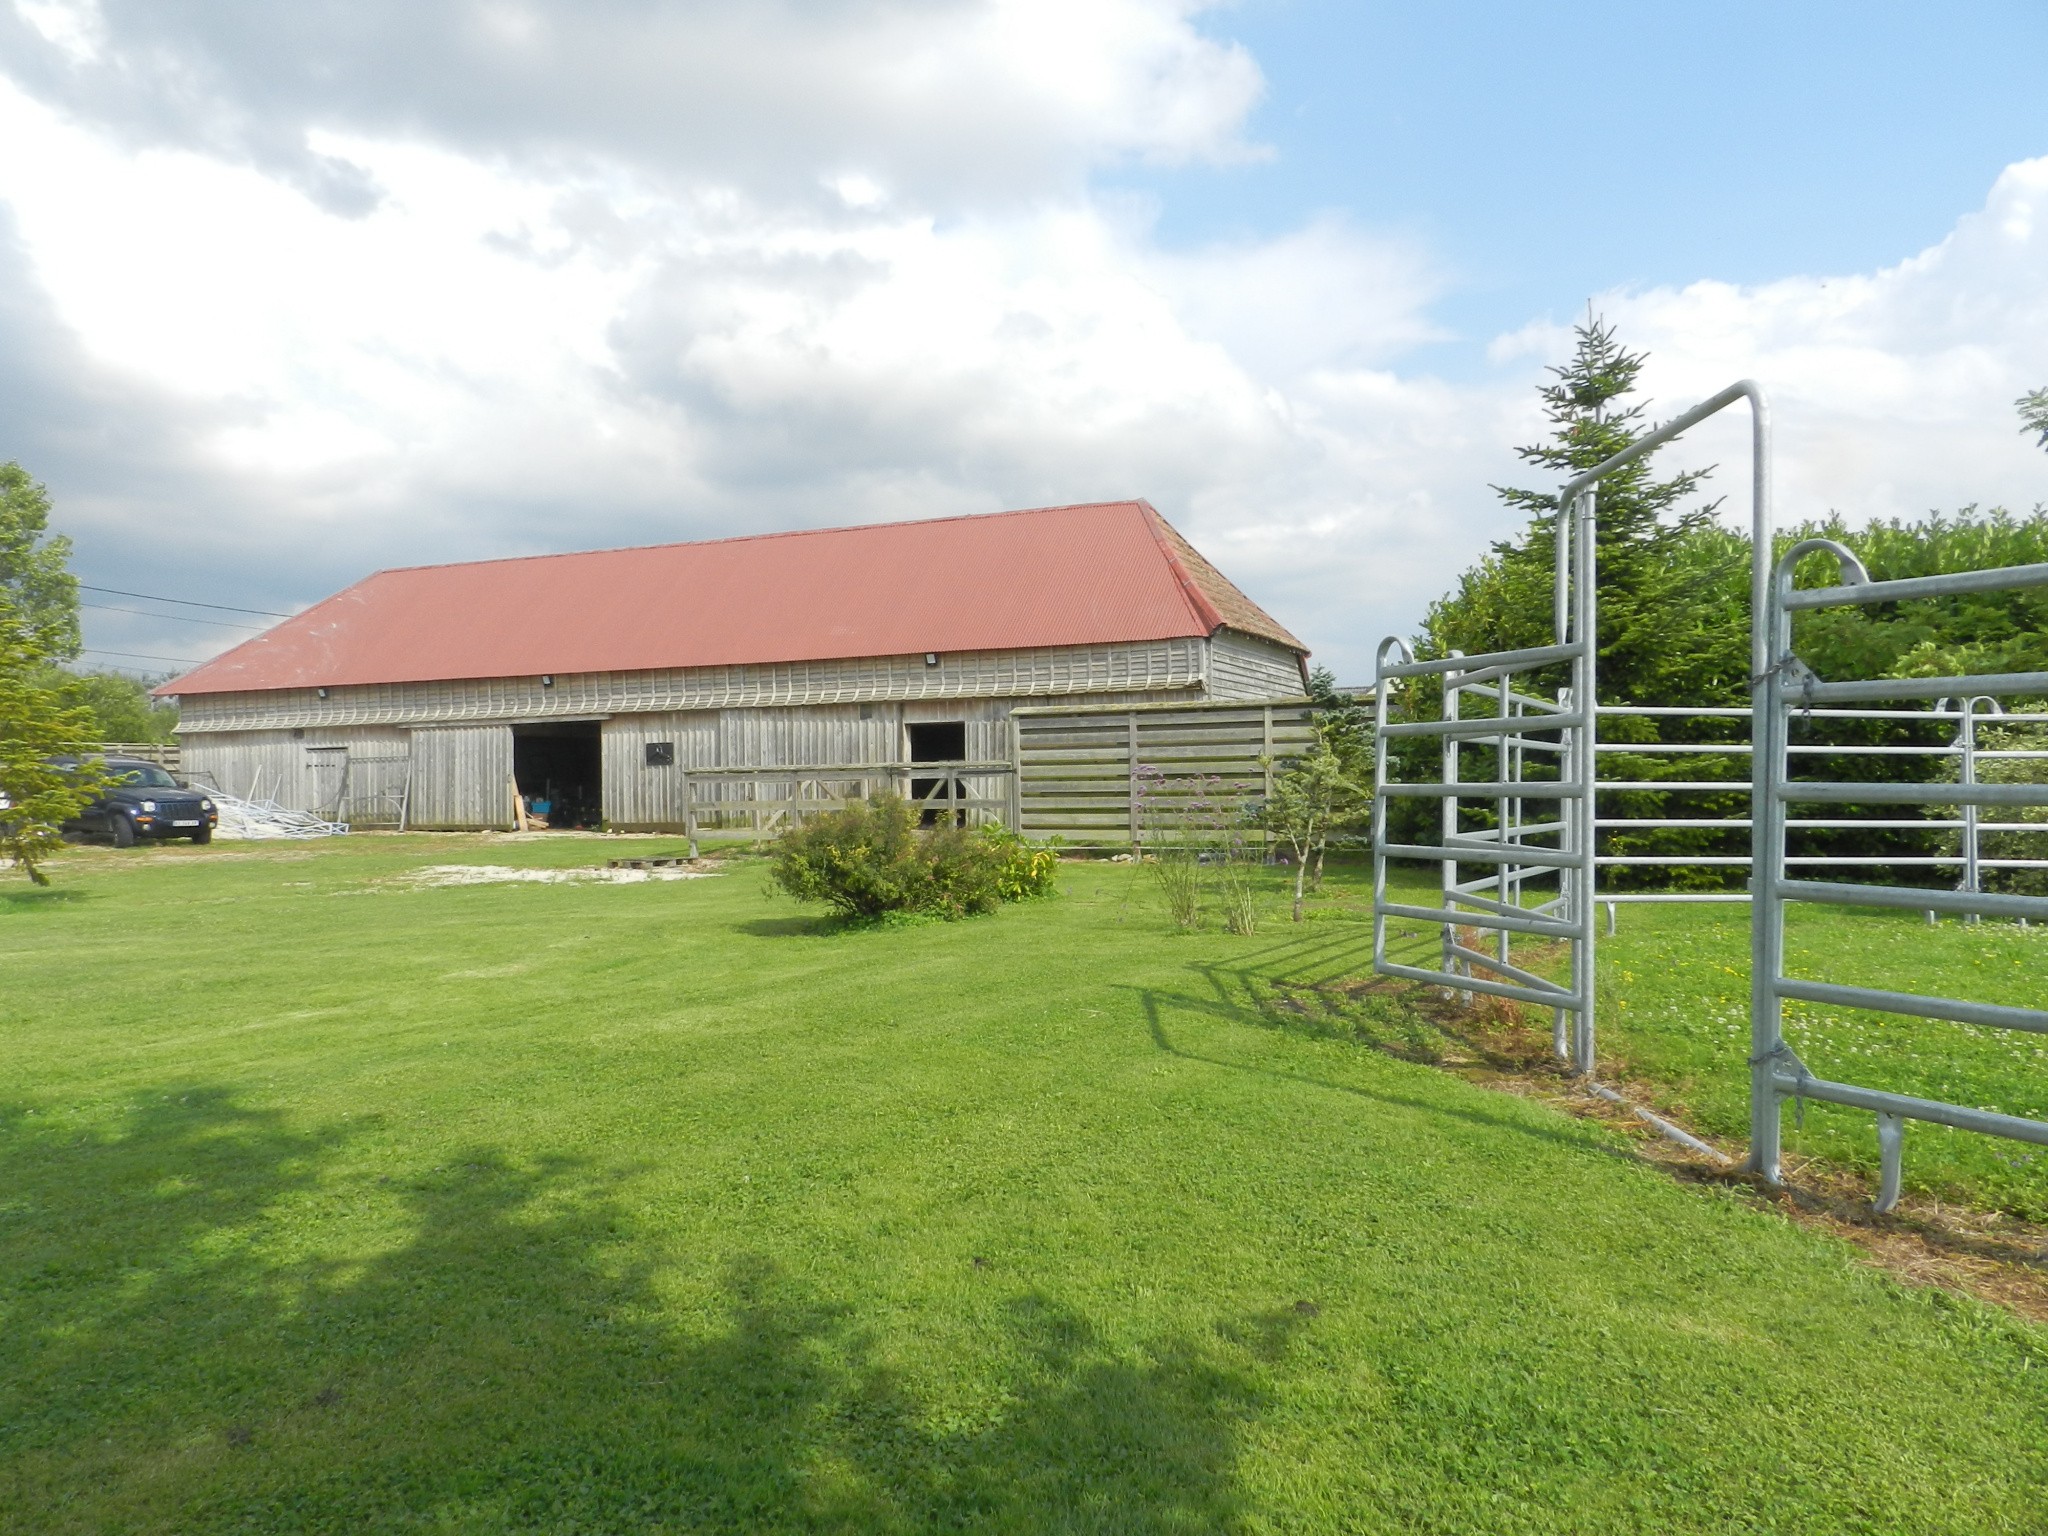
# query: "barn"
653,688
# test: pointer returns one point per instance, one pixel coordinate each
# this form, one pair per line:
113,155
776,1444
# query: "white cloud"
521,345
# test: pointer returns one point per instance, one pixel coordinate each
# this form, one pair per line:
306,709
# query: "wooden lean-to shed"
648,688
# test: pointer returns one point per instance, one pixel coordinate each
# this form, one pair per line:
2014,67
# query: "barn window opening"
938,741
559,767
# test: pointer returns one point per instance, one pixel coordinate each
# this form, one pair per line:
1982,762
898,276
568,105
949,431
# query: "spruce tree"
1666,582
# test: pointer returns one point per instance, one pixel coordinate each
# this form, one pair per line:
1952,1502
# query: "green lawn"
1674,1018
330,1204
1677,1012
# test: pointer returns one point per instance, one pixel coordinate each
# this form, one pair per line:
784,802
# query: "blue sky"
1548,153
333,289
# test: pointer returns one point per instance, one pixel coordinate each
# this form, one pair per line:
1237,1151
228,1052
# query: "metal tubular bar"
1497,853
1542,999
1549,928
1522,660
1915,1005
1483,725
1906,898
1535,789
1381,703
1961,1116
1744,712
1815,792
1512,972
1923,687
2004,578
1467,895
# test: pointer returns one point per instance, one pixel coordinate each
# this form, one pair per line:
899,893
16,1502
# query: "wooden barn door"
461,776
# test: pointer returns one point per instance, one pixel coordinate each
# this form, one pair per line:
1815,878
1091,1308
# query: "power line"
176,661
182,618
152,597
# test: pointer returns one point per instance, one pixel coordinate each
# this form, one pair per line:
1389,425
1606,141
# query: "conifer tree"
1664,588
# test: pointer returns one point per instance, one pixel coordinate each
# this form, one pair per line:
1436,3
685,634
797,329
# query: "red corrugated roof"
1082,575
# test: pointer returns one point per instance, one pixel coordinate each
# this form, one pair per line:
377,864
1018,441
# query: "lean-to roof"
1101,573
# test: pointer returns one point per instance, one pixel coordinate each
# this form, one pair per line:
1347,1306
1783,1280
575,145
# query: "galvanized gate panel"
462,777
1786,684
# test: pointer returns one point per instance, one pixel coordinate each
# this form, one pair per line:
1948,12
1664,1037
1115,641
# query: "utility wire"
182,618
152,597
179,661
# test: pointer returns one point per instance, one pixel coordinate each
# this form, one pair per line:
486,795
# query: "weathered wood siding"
1246,667
1135,667
459,776
299,771
637,796
1104,777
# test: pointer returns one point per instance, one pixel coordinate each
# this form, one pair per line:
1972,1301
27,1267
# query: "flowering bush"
872,859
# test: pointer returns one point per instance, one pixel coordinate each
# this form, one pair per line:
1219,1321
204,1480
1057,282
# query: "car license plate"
184,823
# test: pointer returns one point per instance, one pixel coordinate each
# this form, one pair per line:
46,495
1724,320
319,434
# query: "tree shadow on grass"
217,1320
799,926
1238,1003
42,898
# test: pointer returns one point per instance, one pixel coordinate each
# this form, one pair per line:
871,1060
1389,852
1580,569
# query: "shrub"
872,859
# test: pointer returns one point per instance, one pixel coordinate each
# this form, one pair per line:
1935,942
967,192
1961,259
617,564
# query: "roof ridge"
755,538
1210,616
1219,600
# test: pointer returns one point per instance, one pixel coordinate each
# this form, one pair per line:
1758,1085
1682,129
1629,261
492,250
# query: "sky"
289,294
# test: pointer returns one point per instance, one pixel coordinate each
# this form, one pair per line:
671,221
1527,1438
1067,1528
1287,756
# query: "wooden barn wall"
1246,667
1106,777
459,776
1162,668
639,796
298,772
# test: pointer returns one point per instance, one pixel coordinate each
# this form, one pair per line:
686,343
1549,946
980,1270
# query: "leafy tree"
120,705
1310,800
2033,409
34,566
36,797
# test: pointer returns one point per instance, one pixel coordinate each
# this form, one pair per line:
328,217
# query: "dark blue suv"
144,801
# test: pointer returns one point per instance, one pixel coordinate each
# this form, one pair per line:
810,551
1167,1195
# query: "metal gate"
1526,732
1786,684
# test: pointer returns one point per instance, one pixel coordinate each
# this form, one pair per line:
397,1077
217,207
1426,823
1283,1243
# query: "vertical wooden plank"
1131,770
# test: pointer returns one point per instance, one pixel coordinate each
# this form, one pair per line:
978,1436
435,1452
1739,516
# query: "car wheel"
203,835
124,832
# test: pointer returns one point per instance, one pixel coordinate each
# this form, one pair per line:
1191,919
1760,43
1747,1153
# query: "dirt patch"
434,876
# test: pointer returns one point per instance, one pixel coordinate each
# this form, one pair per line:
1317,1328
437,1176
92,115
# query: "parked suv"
144,801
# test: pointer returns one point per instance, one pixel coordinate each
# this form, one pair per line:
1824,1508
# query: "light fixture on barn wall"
547,680
931,658
321,691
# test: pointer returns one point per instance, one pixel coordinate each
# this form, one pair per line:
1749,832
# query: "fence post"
1016,778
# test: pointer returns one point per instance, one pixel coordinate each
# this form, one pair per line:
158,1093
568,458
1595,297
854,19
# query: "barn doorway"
938,741
559,767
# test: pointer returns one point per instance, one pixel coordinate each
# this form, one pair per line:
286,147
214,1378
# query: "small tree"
36,796
1309,801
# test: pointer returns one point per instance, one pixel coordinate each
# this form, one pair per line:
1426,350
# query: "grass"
328,1204
1677,996
1674,1015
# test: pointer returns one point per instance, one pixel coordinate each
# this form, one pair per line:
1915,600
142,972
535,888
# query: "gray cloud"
938,95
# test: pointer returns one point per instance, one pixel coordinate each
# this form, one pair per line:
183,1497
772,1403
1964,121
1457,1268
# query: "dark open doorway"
938,741
559,765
